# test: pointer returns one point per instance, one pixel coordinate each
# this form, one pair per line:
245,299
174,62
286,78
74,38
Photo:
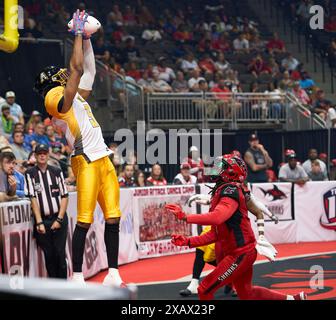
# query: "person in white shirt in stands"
165,73
160,85
189,63
185,177
292,171
241,43
312,157
15,109
331,117
193,82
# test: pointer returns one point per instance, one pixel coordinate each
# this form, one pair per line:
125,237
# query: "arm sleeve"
223,211
87,79
204,239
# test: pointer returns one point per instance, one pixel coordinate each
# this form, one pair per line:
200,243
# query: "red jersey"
152,182
231,227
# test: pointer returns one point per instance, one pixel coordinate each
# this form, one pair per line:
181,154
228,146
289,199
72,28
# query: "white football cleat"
78,277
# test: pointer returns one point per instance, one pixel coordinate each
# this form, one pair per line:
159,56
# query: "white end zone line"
205,273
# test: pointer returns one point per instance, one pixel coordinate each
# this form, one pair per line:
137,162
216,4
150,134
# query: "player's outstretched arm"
87,79
76,61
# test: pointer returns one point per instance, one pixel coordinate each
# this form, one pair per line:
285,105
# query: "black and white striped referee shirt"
47,187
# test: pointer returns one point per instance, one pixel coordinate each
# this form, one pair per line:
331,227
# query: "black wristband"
59,220
40,223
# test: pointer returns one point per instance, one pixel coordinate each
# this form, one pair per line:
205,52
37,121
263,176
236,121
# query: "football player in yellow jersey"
65,95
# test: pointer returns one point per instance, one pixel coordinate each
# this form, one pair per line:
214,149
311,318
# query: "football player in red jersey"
231,232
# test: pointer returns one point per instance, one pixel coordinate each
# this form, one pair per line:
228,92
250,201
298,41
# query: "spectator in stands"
257,160
189,63
292,171
318,170
131,52
331,117
156,177
140,179
276,45
256,44
133,71
307,83
303,10
321,105
182,35
258,66
99,48
221,63
300,94
159,85
129,17
207,65
39,137
146,82
180,84
145,17
196,163
222,94
193,82
54,141
15,109
7,122
151,34
241,44
21,154
165,73
289,63
184,177
127,178
116,15
35,118
221,45
11,181
273,67
286,83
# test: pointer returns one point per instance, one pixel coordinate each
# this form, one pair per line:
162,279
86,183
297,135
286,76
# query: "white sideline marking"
205,273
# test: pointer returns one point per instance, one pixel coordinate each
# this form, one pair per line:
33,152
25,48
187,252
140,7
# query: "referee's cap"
41,148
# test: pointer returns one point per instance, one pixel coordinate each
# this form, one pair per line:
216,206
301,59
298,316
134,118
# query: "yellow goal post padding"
9,40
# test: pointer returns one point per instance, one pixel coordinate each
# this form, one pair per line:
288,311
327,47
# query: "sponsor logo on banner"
275,193
328,219
277,197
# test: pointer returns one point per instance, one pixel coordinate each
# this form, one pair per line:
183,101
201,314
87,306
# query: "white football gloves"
266,249
202,199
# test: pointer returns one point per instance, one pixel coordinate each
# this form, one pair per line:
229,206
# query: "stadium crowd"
19,138
199,48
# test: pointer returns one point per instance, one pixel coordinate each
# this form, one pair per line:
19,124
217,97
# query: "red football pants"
238,270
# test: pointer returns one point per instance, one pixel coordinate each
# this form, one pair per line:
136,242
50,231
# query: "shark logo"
329,201
275,193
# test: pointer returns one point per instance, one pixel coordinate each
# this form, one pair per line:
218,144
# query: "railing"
233,110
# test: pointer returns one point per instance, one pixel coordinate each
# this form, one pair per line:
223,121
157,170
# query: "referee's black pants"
53,244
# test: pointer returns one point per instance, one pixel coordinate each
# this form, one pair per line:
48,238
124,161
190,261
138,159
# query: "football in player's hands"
92,25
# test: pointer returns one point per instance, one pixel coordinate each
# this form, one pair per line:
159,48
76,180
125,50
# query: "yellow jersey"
80,127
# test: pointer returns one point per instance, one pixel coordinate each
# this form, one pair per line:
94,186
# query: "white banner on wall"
315,207
154,225
146,228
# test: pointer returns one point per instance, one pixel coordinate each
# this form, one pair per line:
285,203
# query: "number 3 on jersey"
92,119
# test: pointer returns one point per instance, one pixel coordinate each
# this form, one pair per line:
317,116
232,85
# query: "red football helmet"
230,168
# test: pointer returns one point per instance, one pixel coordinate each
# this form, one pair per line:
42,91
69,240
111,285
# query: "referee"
46,188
